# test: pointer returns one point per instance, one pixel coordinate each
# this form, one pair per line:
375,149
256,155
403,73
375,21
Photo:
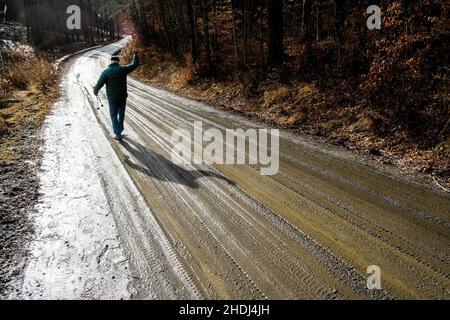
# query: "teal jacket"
115,78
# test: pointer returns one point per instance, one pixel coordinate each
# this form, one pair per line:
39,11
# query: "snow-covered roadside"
95,236
76,252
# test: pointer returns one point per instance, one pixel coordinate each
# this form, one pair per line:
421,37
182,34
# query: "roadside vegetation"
384,92
33,35
27,84
27,91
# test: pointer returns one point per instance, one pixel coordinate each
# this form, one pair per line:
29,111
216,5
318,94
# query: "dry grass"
27,73
332,126
27,92
3,127
155,60
21,117
306,91
306,106
443,148
179,79
275,97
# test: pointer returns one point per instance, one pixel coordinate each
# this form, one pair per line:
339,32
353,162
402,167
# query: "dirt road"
123,221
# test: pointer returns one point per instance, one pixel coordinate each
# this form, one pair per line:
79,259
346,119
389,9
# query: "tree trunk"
205,11
193,27
275,42
317,18
307,6
338,26
246,33
236,50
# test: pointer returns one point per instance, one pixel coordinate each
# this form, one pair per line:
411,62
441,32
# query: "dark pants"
117,112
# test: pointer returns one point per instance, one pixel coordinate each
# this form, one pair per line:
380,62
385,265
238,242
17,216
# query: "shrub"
332,126
275,97
30,72
3,127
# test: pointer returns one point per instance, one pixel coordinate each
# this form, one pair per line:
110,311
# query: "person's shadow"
157,166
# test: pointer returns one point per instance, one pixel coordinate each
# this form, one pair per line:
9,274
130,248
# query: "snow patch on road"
96,238
77,252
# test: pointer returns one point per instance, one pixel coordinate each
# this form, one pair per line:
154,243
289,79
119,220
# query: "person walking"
115,78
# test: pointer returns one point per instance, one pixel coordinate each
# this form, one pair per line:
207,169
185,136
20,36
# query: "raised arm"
100,83
134,64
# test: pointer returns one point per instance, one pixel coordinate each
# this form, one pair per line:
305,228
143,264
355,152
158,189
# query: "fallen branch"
446,125
443,188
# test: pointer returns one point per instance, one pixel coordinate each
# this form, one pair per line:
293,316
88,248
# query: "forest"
131,181
45,20
313,66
